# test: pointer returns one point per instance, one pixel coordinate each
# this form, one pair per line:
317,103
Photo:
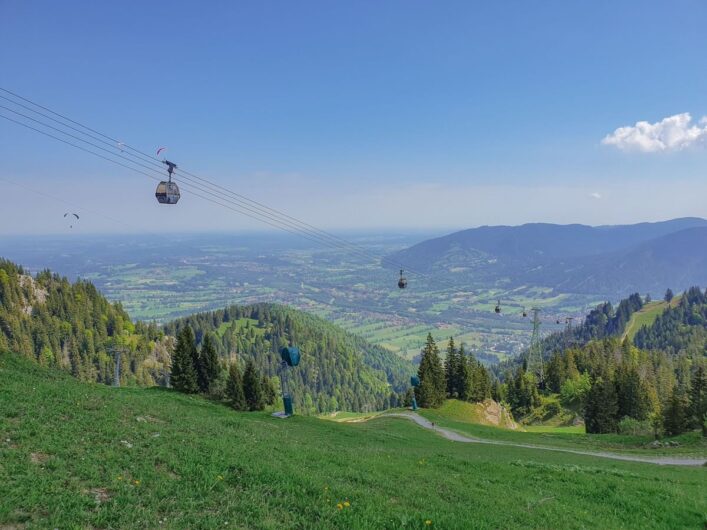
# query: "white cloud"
596,195
670,134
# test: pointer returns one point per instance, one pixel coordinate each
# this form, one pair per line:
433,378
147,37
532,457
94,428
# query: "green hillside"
338,370
79,455
647,315
73,327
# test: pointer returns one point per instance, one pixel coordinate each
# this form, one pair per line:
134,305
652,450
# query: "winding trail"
457,437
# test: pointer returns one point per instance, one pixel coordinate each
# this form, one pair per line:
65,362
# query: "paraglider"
402,282
167,192
71,217
160,150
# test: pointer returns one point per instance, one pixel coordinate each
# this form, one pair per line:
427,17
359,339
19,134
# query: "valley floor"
74,455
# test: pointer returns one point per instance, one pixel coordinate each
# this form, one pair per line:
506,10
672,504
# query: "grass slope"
646,316
76,455
692,444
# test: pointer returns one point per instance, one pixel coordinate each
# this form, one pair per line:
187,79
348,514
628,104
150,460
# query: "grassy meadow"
76,455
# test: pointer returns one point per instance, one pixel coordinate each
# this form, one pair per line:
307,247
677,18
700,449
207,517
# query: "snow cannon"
415,382
290,358
290,355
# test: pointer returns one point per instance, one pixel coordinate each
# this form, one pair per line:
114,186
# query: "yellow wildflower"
136,482
340,506
428,522
219,477
347,503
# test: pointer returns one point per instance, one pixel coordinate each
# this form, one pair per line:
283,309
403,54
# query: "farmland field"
180,275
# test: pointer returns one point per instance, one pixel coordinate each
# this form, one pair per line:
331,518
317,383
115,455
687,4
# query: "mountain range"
607,260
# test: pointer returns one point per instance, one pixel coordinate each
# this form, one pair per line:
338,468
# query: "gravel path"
456,437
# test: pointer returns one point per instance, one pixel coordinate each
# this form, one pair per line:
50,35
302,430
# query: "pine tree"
632,394
252,387
481,389
450,369
698,400
555,373
270,394
184,377
675,419
601,410
669,295
234,388
433,386
209,368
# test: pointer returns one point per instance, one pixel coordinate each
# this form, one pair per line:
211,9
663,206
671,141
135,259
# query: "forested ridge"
338,370
655,383
73,327
679,329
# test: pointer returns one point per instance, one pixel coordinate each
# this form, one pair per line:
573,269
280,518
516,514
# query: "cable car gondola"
525,313
498,308
167,192
402,282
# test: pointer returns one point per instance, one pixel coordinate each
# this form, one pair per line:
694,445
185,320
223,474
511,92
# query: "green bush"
635,427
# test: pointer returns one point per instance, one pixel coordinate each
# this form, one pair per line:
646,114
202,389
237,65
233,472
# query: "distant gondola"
497,309
402,282
525,313
167,192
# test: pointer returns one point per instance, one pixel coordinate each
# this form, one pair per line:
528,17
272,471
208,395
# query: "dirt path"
457,437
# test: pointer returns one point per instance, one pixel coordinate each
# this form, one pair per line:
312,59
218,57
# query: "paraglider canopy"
71,217
290,355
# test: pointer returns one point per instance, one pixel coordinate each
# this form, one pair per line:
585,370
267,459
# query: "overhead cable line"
263,212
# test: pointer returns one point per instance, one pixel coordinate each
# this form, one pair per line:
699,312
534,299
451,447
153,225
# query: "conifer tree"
481,383
675,419
234,388
209,367
270,394
698,400
450,369
433,386
466,377
252,387
184,377
601,409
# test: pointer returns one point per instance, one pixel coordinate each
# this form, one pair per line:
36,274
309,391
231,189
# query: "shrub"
635,427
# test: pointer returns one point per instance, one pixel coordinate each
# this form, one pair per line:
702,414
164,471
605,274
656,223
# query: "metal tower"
535,355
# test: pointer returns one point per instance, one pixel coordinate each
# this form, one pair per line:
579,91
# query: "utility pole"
116,371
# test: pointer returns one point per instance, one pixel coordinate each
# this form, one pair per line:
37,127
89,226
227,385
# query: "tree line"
199,370
621,388
460,376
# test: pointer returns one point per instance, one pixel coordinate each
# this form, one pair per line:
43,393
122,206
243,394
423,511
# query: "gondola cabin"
402,282
167,192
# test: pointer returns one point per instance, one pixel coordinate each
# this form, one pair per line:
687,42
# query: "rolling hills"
606,260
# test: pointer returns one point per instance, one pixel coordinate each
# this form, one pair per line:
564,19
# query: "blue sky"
398,114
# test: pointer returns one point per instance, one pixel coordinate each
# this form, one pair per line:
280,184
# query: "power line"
236,198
